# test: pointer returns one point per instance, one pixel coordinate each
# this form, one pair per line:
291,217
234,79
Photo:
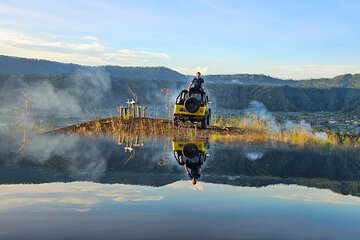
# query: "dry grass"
135,126
266,131
239,129
150,127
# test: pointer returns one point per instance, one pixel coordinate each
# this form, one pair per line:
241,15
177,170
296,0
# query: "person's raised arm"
191,83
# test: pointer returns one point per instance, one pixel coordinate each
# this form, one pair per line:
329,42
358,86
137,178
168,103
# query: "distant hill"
151,73
248,79
287,98
341,81
34,66
16,65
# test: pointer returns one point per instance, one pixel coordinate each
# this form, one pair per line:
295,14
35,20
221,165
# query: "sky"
282,38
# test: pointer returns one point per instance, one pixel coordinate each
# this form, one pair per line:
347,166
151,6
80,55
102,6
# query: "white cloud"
132,54
192,70
88,50
16,40
92,38
313,70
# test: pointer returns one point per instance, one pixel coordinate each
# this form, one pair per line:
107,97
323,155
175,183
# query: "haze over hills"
67,85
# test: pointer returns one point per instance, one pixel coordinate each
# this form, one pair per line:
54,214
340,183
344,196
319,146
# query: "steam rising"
259,110
70,95
70,153
45,97
83,158
253,154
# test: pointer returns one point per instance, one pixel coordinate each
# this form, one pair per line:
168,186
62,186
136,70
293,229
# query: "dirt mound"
147,126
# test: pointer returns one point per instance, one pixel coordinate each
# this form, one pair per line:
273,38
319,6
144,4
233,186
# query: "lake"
135,187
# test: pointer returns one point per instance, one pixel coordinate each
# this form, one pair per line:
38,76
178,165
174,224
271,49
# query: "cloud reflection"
76,196
186,185
300,193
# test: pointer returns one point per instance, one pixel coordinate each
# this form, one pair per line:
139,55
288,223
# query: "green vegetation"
286,98
342,81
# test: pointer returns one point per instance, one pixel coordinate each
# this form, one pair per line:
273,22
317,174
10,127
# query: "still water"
132,187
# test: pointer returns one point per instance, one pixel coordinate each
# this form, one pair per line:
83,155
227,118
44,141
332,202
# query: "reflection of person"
197,85
195,169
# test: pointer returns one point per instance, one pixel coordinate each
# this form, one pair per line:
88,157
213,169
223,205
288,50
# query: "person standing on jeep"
197,85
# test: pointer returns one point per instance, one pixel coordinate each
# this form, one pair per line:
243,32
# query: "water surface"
132,187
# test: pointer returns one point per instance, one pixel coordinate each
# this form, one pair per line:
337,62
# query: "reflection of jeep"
193,151
192,107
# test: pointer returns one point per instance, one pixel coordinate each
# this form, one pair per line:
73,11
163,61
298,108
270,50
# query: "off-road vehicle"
194,107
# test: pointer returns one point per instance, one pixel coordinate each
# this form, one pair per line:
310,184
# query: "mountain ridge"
20,65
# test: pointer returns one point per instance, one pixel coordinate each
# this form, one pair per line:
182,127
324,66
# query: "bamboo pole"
138,111
144,112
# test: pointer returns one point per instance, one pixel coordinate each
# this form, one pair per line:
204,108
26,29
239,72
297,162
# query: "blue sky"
288,39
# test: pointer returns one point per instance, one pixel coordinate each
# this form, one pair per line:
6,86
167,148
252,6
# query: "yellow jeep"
190,150
194,107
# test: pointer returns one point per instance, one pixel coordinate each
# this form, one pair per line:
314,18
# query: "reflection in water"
76,196
133,189
253,153
87,196
49,158
191,155
130,142
83,210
